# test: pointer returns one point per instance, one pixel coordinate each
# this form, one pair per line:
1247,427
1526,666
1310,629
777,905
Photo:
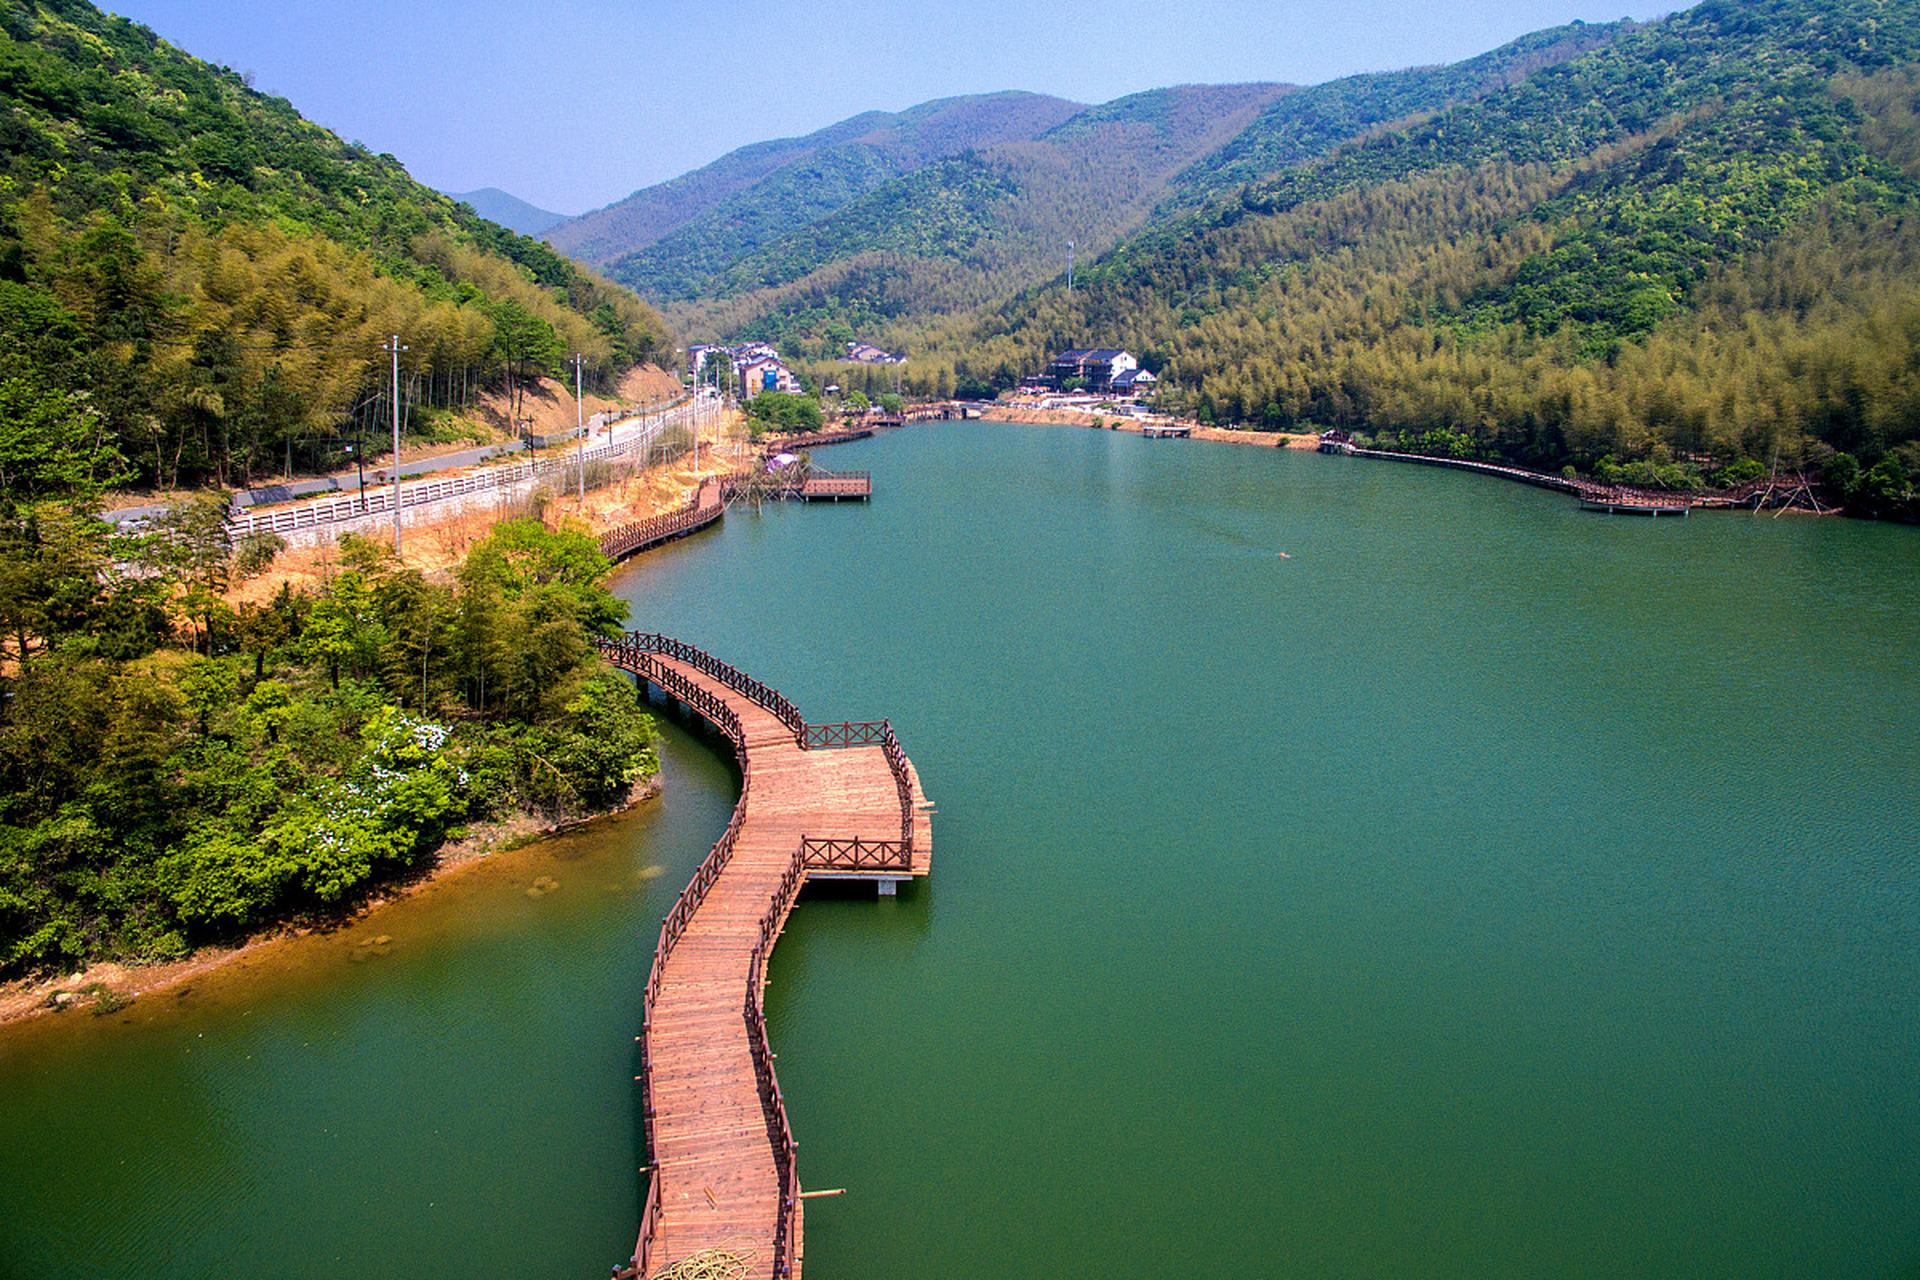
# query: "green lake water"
1483,888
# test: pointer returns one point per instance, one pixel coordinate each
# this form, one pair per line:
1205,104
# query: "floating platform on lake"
709,503
1165,431
1634,507
836,486
800,484
836,801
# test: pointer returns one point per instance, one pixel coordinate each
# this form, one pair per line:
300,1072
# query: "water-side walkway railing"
709,503
839,801
1768,492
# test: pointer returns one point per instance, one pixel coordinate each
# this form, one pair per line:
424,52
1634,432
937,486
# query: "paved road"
349,481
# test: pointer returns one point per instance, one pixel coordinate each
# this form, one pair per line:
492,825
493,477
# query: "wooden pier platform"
837,486
1634,506
840,801
799,484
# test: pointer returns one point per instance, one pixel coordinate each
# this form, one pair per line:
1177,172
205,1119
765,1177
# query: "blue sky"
572,104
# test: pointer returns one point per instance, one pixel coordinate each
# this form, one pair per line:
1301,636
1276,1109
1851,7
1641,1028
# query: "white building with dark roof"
1097,367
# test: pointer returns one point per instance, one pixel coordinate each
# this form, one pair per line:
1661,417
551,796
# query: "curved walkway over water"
840,801
709,503
1773,491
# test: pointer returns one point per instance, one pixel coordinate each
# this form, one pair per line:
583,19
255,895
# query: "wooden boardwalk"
1615,499
709,503
799,484
706,505
839,801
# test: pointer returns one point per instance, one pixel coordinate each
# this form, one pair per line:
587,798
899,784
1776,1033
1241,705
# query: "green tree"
786,412
519,558
53,443
526,344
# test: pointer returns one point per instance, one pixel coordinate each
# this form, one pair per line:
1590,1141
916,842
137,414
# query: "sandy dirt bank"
1075,418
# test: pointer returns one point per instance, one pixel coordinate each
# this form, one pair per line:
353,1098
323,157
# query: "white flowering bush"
394,807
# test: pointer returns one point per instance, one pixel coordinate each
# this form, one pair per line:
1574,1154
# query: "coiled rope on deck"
711,1264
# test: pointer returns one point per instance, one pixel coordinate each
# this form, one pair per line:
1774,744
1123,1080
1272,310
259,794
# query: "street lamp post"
395,349
580,425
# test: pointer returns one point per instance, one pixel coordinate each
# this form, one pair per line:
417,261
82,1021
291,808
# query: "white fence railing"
421,492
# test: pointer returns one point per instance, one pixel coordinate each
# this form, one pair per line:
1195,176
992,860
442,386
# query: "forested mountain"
194,283
203,279
1691,250
972,228
976,227
1312,121
710,218
509,210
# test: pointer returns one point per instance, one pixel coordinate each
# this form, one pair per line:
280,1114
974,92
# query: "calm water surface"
1483,888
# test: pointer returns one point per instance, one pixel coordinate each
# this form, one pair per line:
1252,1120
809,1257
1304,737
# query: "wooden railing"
862,733
839,481
637,644
642,534
796,482
903,782
779,1132
674,925
857,854
816,439
632,650
867,733
640,652
642,1260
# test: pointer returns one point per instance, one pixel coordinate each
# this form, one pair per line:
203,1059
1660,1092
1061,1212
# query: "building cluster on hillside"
867,353
752,367
1100,371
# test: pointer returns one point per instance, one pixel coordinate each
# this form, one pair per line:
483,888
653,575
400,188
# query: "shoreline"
110,985
107,986
1714,500
1027,414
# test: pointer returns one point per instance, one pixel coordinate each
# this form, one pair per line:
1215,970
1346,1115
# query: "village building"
751,366
764,374
867,353
1097,367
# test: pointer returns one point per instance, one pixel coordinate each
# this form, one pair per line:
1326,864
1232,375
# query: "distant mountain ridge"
729,208
970,228
508,210
810,239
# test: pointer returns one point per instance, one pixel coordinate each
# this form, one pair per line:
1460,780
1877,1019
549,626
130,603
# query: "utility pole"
580,424
395,348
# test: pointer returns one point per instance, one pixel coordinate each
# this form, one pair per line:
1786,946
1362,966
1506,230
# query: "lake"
1479,888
